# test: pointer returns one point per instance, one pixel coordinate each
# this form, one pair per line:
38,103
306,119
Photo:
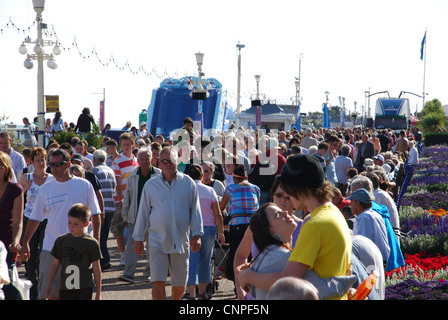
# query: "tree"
335,112
432,122
433,106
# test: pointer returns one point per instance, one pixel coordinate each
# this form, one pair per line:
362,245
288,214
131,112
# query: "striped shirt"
243,200
106,177
123,167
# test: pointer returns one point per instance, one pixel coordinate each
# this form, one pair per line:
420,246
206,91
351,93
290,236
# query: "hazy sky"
348,47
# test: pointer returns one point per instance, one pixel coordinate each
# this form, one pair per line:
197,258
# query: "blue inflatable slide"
171,103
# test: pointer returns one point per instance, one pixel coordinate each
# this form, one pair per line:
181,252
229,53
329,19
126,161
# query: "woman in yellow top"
324,243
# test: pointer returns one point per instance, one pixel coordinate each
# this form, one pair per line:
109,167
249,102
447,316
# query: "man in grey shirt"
308,140
169,209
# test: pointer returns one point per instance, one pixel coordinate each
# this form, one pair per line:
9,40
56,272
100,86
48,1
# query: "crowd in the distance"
171,198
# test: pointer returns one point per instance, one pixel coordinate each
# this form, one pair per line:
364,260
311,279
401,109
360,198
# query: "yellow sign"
52,103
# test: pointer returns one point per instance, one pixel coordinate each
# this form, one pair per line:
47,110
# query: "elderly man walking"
169,209
106,178
131,200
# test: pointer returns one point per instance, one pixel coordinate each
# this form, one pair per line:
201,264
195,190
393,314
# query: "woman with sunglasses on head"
31,183
247,248
273,235
11,218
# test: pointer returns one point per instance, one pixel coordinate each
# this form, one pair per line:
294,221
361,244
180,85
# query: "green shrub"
436,138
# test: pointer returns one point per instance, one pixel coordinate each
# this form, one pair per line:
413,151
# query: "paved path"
113,289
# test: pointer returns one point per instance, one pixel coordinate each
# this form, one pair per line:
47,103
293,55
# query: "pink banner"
258,116
102,115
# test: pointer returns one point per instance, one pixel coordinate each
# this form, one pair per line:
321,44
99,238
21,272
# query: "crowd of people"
305,214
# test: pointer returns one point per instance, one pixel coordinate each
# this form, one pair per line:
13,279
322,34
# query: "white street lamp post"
40,56
238,97
200,93
257,79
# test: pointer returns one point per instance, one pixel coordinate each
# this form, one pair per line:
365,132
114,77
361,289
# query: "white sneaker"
123,260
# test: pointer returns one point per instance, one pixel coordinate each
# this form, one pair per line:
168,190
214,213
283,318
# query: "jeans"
265,196
32,265
104,235
199,264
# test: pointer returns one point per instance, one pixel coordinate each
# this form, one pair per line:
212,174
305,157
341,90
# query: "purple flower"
415,290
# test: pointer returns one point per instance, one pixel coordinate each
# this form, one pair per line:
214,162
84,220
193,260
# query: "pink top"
207,196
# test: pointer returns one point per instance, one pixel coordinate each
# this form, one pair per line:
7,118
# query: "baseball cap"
142,123
302,170
362,195
78,157
379,157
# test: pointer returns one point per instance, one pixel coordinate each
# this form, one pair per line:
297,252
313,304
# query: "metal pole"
104,108
238,99
40,86
238,89
424,70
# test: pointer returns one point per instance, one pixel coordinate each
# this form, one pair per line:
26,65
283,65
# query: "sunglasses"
165,161
57,164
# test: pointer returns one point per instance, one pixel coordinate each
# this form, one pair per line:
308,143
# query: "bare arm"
25,183
225,199
240,260
266,280
119,191
53,270
96,226
17,223
31,227
97,276
218,222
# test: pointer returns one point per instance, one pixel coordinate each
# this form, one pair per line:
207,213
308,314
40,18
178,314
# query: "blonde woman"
11,218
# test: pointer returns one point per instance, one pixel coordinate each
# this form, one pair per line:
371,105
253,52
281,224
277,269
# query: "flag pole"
424,67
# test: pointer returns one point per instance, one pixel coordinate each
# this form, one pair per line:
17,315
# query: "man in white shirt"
413,153
169,211
53,202
17,160
384,198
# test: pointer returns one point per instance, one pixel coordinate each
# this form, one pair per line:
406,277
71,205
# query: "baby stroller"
218,264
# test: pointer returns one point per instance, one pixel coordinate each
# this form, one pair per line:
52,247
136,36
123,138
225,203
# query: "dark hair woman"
243,200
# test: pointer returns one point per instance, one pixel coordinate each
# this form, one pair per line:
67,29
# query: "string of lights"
111,61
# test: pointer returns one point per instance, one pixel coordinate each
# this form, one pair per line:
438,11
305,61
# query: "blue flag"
298,124
422,48
326,120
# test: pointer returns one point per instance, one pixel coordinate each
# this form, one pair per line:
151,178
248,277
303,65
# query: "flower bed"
424,218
